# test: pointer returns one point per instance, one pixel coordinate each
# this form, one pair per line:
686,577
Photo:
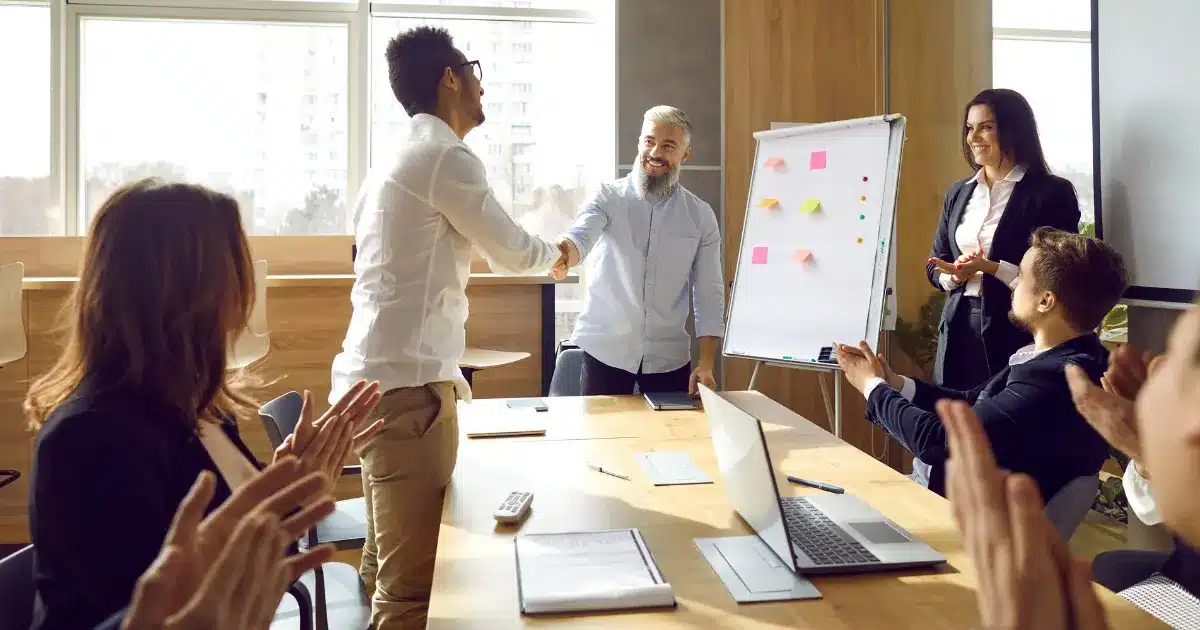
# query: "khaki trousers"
406,467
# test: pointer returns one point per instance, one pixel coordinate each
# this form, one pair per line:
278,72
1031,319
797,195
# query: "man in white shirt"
415,224
656,244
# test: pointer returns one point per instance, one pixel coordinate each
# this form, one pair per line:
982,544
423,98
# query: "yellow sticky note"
812,205
802,255
768,202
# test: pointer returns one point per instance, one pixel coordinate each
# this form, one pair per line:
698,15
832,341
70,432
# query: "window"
569,71
195,119
1042,50
272,112
28,194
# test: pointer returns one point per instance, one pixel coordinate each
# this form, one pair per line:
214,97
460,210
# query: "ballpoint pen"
816,484
601,469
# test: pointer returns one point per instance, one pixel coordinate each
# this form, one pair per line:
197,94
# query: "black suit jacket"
1036,201
1026,411
110,469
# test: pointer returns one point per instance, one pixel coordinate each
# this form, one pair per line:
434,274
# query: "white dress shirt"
414,224
1141,500
978,226
648,257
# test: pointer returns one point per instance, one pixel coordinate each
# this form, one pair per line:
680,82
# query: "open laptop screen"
741,451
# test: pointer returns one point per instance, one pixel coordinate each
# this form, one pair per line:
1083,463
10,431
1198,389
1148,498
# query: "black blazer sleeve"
941,238
114,622
98,514
923,433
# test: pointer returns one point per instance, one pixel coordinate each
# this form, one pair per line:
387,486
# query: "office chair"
16,582
568,371
1067,508
346,528
8,476
337,589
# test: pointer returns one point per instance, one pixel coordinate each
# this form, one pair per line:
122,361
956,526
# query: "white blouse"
978,227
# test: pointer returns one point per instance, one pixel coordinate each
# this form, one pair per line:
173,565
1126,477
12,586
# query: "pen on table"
601,469
816,484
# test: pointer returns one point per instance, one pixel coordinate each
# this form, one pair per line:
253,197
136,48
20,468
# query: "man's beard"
1019,322
653,188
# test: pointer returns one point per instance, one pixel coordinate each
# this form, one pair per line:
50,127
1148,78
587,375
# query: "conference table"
475,586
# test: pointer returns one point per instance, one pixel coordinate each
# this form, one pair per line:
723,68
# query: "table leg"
837,404
548,340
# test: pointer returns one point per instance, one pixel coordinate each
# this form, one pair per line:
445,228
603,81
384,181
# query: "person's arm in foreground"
230,570
1026,577
461,193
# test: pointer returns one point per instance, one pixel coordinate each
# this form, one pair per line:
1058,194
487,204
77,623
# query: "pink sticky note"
759,255
817,160
775,162
802,255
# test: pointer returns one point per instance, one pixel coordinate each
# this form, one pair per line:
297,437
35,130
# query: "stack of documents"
587,571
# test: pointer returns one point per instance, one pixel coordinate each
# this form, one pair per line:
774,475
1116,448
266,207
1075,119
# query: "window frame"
317,254
1044,35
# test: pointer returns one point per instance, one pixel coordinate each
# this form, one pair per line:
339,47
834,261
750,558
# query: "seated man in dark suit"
1068,283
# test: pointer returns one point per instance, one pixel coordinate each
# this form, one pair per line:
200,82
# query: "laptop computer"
822,533
670,401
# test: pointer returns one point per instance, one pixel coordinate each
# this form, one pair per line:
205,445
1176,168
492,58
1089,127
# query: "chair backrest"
280,416
255,341
568,373
8,476
1067,508
13,344
16,582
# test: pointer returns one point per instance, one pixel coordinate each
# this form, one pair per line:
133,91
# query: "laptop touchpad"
879,533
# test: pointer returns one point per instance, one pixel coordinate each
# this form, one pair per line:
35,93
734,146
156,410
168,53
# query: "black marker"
816,484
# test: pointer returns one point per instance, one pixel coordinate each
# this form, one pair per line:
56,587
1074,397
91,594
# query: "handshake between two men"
568,257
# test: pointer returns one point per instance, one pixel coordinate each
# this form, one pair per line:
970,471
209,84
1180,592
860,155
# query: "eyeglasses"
477,68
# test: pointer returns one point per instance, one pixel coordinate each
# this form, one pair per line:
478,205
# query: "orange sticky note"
802,255
812,205
768,202
759,255
775,162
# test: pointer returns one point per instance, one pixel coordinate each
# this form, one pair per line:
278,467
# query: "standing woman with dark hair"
983,232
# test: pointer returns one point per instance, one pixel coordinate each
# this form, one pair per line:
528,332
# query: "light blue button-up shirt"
647,258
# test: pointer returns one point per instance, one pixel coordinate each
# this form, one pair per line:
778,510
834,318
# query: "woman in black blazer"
140,402
983,232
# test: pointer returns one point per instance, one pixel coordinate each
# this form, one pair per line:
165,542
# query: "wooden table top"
474,583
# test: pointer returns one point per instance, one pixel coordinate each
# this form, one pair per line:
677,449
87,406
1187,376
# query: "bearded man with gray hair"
655,245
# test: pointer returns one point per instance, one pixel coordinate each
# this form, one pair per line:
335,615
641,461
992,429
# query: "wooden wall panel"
307,324
819,60
940,56
795,61
295,255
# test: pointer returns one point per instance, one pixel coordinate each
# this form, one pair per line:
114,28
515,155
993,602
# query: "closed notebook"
588,571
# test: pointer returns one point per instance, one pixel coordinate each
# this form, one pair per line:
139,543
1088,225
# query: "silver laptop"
822,533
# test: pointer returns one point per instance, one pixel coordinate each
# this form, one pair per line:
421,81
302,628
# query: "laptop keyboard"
820,538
